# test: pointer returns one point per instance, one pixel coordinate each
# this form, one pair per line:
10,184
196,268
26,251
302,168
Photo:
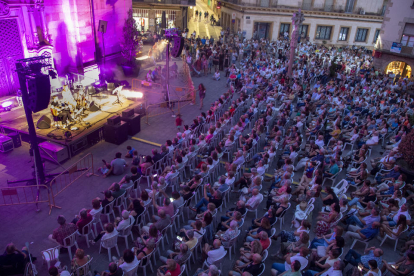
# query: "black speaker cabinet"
114,120
134,124
17,142
43,122
127,113
116,134
39,92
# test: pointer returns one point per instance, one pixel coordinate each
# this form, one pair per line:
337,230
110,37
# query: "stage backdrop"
69,23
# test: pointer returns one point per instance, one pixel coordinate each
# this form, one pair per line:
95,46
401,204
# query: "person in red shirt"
264,239
82,219
178,122
170,269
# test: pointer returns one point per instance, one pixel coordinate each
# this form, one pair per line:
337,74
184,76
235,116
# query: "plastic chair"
132,271
182,268
51,255
272,233
393,238
255,209
69,242
366,241
86,231
120,202
282,216
265,254
109,244
96,220
217,263
84,270
147,263
186,263
108,210
173,221
125,233
262,266
232,244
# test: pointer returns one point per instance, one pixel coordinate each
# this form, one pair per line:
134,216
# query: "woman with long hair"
201,93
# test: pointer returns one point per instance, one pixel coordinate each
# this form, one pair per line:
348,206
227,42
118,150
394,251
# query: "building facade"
65,30
394,50
332,22
148,14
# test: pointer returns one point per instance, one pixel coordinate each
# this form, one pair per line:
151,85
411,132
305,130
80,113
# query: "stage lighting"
52,74
7,106
132,94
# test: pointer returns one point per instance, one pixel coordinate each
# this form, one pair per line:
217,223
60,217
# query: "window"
284,28
407,40
323,32
377,32
261,30
343,34
349,5
361,35
303,31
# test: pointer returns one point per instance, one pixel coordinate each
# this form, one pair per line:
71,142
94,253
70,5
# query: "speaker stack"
115,130
17,142
133,121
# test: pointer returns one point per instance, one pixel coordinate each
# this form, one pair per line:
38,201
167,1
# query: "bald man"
215,252
253,267
254,200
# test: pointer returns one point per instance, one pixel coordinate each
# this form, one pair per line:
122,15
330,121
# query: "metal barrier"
145,86
22,195
83,167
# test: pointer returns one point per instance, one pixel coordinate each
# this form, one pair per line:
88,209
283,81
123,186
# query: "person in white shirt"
254,200
128,261
320,141
373,140
215,252
335,270
126,221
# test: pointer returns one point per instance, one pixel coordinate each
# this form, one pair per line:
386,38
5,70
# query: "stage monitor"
178,44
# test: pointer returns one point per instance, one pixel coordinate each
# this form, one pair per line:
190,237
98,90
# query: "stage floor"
16,118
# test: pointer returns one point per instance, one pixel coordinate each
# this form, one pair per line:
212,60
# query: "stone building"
333,22
394,50
66,30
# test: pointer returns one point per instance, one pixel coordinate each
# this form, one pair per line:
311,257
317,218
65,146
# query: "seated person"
178,257
163,221
216,198
64,230
170,269
229,234
253,267
13,261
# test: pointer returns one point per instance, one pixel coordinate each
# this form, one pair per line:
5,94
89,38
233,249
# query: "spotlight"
7,106
132,94
52,74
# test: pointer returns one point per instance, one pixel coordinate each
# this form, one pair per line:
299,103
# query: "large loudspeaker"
114,120
93,107
178,46
163,21
116,134
39,92
43,122
134,124
127,113
17,142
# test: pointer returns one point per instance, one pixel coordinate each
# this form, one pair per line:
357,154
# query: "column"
31,10
41,9
151,18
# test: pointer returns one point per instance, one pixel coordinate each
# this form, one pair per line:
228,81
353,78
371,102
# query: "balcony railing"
168,2
386,45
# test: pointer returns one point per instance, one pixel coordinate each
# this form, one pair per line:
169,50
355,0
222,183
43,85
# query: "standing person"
178,122
201,93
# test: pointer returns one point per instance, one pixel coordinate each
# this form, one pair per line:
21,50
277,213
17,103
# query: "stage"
85,132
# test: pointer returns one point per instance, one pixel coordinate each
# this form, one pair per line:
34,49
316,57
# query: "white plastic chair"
255,209
147,262
265,254
217,263
232,244
120,203
109,244
393,238
282,216
84,270
332,178
108,210
69,242
51,255
132,271
96,220
182,268
125,233
366,241
86,231
272,233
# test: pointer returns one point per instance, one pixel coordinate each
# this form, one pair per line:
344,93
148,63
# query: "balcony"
167,2
385,46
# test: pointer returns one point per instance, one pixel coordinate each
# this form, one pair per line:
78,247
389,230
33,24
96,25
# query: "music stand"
117,91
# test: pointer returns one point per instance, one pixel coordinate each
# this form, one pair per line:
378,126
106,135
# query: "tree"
406,147
130,45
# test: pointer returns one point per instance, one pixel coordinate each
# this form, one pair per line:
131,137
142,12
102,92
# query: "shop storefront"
141,17
261,30
399,67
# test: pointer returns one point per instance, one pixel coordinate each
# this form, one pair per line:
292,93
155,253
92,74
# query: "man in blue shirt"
367,233
130,153
372,253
